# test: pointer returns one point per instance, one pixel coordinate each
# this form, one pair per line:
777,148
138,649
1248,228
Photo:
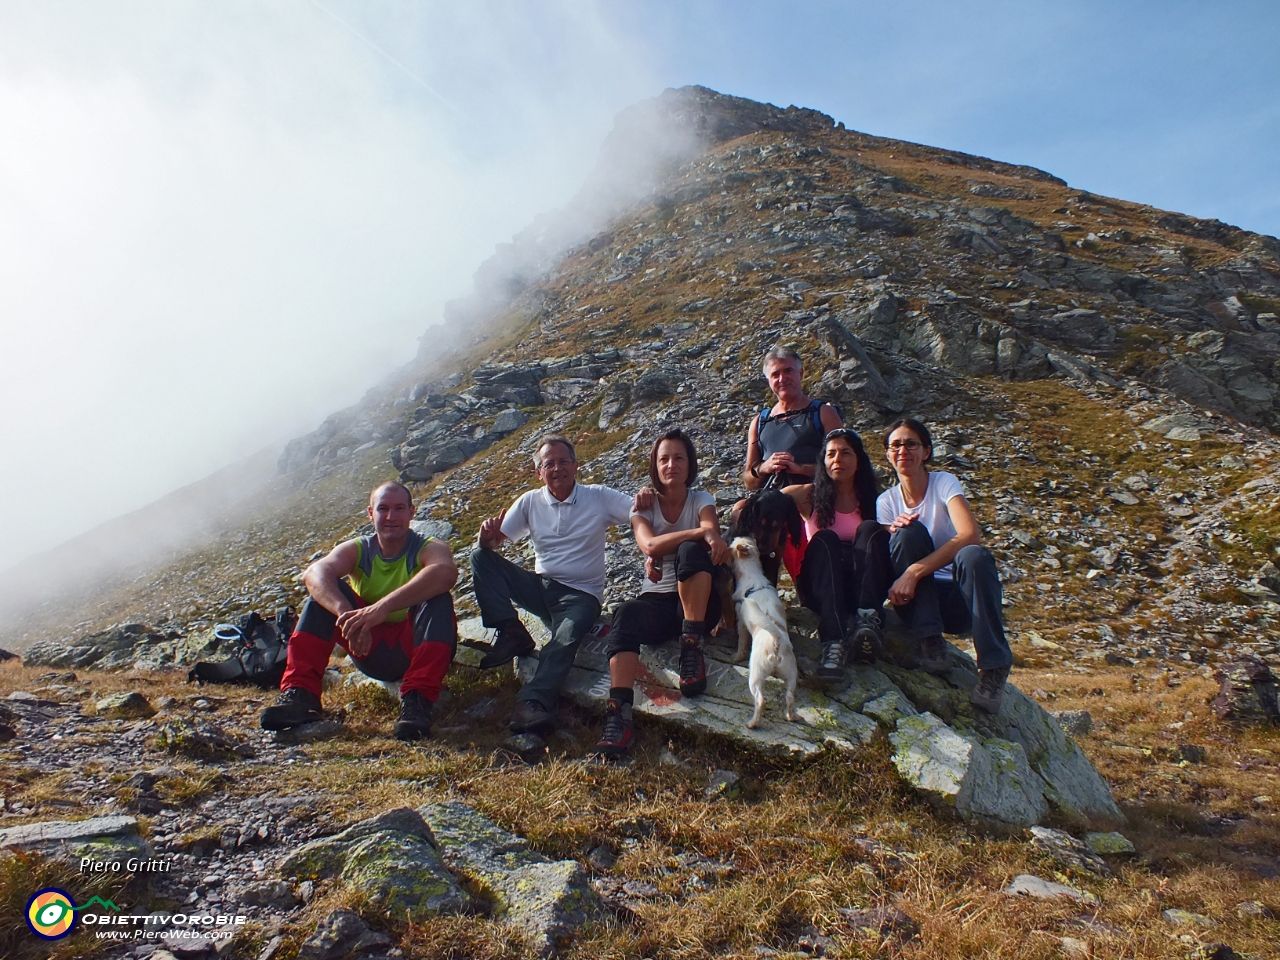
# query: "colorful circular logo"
51,913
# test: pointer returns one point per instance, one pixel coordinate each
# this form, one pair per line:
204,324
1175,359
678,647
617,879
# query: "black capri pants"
655,618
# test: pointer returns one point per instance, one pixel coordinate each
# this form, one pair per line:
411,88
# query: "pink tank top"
845,525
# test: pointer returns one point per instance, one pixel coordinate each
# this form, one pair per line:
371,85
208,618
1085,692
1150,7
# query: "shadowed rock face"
1005,771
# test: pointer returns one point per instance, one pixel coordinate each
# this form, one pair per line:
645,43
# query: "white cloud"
218,223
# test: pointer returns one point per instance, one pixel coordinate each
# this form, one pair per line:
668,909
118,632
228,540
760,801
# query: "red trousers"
416,651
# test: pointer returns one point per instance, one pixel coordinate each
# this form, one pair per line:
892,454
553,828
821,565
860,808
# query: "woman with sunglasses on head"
846,569
679,535
946,582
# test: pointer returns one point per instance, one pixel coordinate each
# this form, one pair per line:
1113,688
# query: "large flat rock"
34,834
1008,770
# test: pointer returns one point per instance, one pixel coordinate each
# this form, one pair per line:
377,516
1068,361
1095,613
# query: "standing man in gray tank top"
783,440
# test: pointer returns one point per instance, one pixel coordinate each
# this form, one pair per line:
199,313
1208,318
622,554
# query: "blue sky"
190,189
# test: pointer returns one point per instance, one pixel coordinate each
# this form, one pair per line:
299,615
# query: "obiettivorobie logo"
51,913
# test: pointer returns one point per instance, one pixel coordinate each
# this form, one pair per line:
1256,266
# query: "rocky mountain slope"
1102,376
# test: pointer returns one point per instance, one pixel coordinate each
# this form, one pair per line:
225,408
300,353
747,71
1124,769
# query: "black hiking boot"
294,707
415,717
693,666
531,717
619,730
989,693
834,656
933,656
868,636
513,640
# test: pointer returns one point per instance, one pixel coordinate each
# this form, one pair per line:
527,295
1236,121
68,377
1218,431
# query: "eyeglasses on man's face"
896,445
562,464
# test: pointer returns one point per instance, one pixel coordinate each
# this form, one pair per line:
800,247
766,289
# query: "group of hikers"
911,554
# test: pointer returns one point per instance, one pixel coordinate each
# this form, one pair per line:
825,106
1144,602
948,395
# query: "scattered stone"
269,893
1026,885
1069,851
529,747
640,889
1183,917
547,900
1269,576
1254,910
200,740
1078,723
884,923
325,729
392,859
509,421
1247,694
125,706
341,934
1215,951
1125,497
1109,844
601,858
1074,947
723,784
1178,426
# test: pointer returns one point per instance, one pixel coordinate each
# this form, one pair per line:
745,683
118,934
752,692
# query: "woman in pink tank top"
846,571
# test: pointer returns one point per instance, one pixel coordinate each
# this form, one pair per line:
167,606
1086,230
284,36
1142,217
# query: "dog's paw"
752,724
739,657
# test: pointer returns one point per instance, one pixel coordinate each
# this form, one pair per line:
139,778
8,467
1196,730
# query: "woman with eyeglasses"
946,582
846,569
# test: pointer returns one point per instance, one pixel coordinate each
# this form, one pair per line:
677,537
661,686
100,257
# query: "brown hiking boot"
989,693
513,640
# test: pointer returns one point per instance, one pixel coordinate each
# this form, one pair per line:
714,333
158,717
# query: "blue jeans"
970,602
568,614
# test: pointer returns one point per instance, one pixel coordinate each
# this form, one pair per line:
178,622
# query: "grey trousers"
970,602
501,586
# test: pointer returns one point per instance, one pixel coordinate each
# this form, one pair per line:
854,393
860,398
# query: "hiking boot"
933,656
531,717
868,638
415,717
989,693
834,657
293,708
619,730
513,640
693,666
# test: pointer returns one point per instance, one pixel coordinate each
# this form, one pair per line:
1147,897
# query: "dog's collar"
763,586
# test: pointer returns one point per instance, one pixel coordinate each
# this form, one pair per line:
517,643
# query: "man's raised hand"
491,535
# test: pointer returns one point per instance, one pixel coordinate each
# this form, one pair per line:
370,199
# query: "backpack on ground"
260,649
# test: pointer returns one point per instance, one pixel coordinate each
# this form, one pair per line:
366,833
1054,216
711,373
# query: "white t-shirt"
688,520
568,537
932,510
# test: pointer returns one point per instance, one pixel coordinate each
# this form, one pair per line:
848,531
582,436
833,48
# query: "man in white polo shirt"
567,522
